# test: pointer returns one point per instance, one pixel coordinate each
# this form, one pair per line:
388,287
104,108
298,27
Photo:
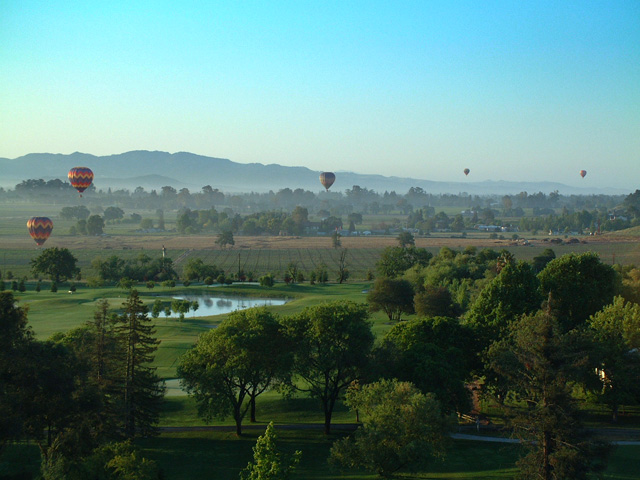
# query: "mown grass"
222,455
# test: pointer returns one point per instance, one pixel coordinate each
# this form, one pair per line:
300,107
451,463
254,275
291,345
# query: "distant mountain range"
153,170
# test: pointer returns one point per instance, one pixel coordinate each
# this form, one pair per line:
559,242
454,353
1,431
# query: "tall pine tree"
541,364
141,390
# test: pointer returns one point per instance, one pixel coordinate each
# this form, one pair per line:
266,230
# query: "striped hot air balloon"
466,171
80,178
40,229
583,173
327,179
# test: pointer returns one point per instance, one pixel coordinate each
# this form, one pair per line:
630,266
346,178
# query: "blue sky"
512,90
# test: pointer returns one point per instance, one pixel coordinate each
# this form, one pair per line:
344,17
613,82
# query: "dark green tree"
225,238
394,261
434,301
406,239
49,387
402,429
229,367
541,365
332,343
15,338
113,213
95,225
393,296
616,331
515,291
580,285
541,261
140,390
435,354
58,263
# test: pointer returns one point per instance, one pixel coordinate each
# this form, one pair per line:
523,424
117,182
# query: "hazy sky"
512,90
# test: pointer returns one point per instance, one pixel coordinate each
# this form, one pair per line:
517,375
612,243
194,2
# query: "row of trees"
360,198
80,393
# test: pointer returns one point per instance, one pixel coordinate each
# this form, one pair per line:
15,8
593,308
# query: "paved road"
479,438
353,426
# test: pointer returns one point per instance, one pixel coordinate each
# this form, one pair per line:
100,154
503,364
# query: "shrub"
267,280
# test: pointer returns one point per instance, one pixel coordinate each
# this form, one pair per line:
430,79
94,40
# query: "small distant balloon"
466,171
80,178
327,179
39,229
583,173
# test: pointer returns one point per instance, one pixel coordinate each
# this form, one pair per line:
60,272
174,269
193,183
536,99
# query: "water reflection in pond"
212,305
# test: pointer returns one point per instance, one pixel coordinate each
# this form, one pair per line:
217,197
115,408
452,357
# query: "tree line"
83,395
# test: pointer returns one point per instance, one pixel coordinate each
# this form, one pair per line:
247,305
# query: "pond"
216,305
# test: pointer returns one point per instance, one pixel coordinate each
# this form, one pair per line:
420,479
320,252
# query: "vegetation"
232,365
401,429
58,263
268,463
331,343
469,302
540,364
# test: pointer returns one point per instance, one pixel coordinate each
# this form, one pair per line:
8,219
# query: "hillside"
153,169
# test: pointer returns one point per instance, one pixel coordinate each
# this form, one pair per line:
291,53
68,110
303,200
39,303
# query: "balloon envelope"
80,178
583,173
40,228
466,171
327,179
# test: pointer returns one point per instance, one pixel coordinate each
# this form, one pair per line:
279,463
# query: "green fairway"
58,312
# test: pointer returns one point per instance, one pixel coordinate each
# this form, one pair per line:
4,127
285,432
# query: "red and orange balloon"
39,229
80,178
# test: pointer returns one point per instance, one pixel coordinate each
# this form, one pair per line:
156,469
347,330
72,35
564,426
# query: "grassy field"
222,455
58,312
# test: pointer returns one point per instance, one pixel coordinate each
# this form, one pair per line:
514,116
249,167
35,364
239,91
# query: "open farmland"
264,254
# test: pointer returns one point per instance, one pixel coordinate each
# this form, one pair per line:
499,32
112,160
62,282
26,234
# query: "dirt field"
204,242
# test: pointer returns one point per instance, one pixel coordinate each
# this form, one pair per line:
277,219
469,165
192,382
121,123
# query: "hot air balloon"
40,229
583,173
466,171
80,178
327,179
